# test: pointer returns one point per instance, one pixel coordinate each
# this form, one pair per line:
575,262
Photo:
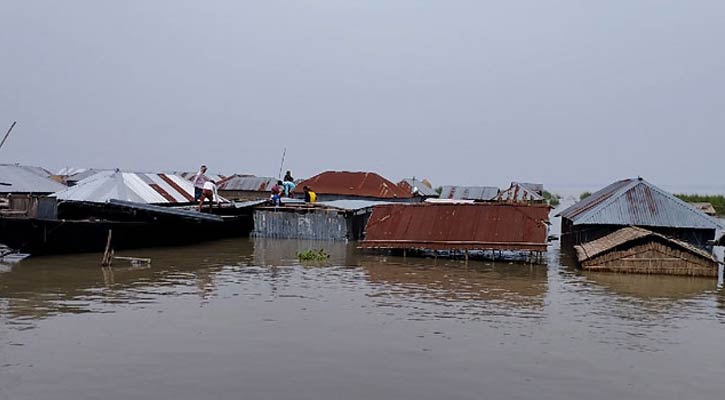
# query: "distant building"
522,192
475,193
341,185
635,202
638,250
418,188
247,187
24,179
706,208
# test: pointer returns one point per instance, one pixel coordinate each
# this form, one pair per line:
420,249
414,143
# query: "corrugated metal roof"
519,192
607,243
247,183
360,184
137,187
480,226
480,193
411,184
16,178
637,202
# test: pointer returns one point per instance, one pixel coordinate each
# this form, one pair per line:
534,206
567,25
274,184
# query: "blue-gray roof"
483,193
640,203
16,178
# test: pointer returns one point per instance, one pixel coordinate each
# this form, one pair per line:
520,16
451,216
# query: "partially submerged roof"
479,226
417,187
627,235
480,193
706,208
247,183
637,202
137,187
520,192
15,178
534,187
359,184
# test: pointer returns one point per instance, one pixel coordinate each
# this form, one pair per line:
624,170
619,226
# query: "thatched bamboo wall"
652,258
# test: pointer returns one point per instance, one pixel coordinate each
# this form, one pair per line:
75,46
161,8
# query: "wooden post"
108,254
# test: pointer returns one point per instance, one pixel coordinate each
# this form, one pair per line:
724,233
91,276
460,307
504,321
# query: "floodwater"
244,319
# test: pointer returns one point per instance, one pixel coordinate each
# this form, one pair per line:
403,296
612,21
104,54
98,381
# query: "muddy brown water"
244,319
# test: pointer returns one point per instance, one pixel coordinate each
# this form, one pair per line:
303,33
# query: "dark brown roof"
360,184
436,226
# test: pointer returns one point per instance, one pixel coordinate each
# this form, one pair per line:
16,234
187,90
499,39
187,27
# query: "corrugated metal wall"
322,225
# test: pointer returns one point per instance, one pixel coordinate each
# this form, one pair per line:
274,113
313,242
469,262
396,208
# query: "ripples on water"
550,308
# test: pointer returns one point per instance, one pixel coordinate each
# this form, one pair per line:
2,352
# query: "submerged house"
21,186
344,185
459,228
638,250
472,193
338,220
635,202
246,187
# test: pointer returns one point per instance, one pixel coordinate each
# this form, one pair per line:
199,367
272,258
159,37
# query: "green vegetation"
552,198
584,195
312,255
717,201
439,190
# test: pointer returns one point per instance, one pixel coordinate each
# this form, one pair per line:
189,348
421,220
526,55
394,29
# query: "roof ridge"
606,203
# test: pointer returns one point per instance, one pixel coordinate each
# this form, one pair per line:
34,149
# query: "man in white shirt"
199,180
209,192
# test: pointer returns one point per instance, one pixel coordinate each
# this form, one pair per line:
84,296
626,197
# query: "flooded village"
438,268
362,200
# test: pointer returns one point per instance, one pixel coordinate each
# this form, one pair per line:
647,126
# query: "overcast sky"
462,92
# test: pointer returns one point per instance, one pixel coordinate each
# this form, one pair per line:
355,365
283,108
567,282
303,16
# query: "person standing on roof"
277,194
310,196
209,192
199,180
289,184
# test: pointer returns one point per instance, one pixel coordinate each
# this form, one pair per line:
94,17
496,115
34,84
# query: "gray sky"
464,92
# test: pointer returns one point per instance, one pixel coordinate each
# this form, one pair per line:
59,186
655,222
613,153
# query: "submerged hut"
345,185
339,220
638,250
459,228
21,187
635,202
705,207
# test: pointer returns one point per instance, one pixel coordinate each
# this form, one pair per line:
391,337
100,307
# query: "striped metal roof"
482,193
15,178
137,187
637,202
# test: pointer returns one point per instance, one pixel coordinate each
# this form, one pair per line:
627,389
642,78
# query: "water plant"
312,255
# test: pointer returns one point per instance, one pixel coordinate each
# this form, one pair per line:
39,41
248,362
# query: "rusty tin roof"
359,184
481,226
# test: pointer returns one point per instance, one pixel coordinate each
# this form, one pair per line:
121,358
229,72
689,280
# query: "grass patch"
584,195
